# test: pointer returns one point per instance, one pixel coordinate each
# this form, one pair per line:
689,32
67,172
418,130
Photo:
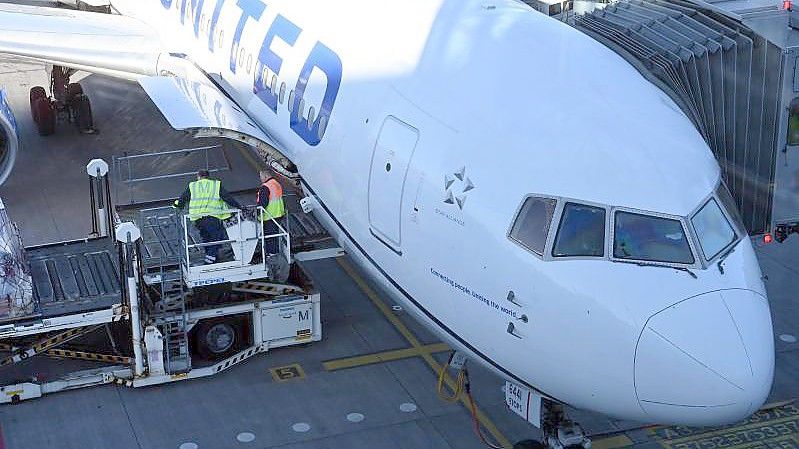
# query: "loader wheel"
36,93
216,339
83,114
44,116
73,90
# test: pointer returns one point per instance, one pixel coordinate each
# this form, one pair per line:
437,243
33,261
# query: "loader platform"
75,277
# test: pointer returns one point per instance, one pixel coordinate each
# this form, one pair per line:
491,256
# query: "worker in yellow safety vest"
270,198
208,204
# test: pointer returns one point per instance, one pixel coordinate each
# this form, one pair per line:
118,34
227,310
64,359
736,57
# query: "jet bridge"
732,68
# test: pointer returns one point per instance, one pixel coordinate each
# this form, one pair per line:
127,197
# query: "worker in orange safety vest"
270,198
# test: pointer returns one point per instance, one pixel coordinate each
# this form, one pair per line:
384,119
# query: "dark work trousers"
211,230
270,228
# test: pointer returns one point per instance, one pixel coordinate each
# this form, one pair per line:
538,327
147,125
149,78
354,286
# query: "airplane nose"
707,360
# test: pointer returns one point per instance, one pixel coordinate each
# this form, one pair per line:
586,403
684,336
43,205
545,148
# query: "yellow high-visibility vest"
205,200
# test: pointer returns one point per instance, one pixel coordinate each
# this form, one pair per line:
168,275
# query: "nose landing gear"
68,103
559,431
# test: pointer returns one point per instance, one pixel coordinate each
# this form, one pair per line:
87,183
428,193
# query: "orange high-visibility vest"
276,208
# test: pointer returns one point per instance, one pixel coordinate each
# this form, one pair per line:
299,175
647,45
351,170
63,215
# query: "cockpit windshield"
532,224
581,231
713,229
728,204
650,238
637,236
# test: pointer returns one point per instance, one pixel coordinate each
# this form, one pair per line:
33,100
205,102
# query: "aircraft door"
390,160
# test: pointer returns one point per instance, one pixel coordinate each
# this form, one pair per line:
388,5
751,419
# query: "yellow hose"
458,385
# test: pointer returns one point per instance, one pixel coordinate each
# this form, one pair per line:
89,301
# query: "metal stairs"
172,320
163,267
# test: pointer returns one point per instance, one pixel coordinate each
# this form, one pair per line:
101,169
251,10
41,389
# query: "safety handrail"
283,232
239,216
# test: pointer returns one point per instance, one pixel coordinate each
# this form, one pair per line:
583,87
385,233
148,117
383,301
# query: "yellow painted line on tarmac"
623,441
772,405
386,356
728,430
776,405
775,425
484,420
390,316
784,442
616,442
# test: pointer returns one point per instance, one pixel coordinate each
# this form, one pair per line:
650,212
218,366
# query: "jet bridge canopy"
732,71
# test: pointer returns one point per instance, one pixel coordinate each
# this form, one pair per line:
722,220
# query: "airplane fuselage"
421,128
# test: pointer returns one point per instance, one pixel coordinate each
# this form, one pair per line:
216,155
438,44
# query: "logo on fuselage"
456,185
310,128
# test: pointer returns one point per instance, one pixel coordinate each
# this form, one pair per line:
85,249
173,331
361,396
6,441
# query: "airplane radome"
517,186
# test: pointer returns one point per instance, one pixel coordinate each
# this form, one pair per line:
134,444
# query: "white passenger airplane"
518,186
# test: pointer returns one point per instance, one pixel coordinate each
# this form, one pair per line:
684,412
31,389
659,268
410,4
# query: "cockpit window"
728,203
713,229
650,238
581,231
532,224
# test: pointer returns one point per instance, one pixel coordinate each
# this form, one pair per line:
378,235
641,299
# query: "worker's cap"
202,173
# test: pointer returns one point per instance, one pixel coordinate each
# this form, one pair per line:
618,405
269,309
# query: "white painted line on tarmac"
245,437
355,417
301,427
408,407
788,338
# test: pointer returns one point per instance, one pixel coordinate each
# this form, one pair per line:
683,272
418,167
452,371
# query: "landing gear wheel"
83,113
36,93
216,339
73,90
529,444
44,116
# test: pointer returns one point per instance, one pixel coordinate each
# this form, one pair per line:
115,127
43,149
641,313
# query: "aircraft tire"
36,92
73,90
83,113
44,116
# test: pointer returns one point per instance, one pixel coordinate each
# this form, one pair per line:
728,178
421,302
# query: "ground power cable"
462,385
473,409
457,390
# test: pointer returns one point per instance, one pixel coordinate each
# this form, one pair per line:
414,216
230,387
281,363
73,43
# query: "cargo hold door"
390,160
